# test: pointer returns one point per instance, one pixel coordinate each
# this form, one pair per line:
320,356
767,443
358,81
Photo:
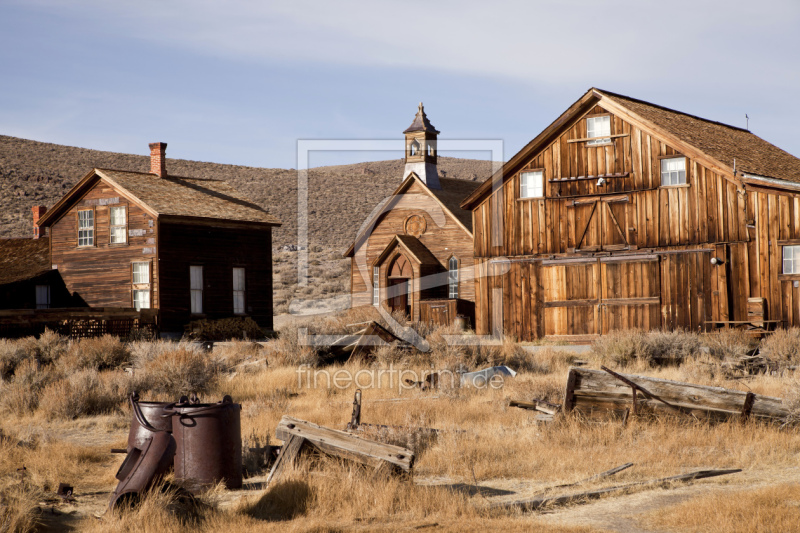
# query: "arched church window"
452,278
414,149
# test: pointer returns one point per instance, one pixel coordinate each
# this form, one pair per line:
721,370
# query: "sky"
241,82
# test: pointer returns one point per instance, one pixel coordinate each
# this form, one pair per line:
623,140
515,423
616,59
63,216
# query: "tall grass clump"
20,395
728,344
177,372
19,506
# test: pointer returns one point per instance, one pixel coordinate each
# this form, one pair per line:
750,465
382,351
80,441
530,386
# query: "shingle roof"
188,197
720,141
22,259
452,193
420,251
421,122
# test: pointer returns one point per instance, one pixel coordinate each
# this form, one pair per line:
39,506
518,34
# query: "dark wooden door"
398,295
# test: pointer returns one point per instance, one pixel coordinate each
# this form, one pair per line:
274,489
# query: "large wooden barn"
626,214
192,248
414,255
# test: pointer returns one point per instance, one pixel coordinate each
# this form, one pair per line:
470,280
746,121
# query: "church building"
415,254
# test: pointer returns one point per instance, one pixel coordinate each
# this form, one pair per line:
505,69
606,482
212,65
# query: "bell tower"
421,151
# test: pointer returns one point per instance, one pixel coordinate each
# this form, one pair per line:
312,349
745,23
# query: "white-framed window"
86,227
452,277
598,129
141,299
238,291
140,273
196,287
42,296
376,287
118,225
791,259
673,171
531,184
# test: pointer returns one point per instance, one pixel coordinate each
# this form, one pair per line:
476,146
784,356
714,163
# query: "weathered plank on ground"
539,503
596,393
345,445
289,452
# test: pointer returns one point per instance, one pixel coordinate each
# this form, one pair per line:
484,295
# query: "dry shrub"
21,395
83,393
674,345
46,349
783,345
12,353
143,352
177,372
622,347
98,353
728,343
289,350
229,356
19,509
225,329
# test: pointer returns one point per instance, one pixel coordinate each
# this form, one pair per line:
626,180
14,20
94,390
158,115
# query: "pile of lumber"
361,343
603,393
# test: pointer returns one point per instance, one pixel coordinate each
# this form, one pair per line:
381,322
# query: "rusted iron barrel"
152,414
209,439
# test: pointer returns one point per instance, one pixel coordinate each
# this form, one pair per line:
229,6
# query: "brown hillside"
340,197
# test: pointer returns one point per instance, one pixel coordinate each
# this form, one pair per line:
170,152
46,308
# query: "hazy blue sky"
241,81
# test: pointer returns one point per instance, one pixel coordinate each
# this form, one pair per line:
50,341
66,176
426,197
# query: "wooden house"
27,280
192,248
626,214
414,253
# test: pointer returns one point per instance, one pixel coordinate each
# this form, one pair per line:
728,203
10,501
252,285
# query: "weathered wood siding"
218,251
443,237
518,243
100,275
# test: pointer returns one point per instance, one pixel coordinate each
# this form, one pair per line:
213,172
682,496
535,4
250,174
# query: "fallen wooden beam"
536,405
595,393
601,475
345,445
539,503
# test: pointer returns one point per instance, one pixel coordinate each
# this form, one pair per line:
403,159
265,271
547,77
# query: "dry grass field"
62,414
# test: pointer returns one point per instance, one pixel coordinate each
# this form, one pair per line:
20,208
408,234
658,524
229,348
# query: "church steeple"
421,151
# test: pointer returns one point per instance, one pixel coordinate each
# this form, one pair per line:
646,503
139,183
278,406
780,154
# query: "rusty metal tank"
156,415
209,444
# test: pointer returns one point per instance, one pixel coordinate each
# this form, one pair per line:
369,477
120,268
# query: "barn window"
196,287
238,291
141,299
673,171
42,296
791,259
598,127
452,278
531,184
86,228
118,225
376,288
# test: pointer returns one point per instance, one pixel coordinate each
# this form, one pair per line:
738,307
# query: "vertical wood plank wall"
713,215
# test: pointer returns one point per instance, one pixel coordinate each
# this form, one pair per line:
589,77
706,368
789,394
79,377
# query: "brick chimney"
38,212
158,159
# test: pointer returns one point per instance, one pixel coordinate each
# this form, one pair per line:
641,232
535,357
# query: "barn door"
570,297
630,294
600,224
